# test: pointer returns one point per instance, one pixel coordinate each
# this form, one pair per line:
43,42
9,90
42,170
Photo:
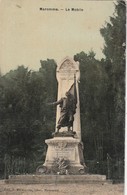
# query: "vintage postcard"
62,96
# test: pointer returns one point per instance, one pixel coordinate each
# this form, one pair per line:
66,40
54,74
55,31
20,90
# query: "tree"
23,125
92,98
25,119
114,34
48,71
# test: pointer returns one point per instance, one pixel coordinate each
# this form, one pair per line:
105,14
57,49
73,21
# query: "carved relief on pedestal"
60,145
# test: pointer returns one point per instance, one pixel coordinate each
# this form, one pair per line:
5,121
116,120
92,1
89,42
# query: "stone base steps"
53,179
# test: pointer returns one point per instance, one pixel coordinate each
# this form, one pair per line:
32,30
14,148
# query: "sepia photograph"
62,97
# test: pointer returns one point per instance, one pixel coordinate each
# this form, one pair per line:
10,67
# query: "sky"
29,34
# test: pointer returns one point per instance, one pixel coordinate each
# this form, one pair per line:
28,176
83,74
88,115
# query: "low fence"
112,168
16,166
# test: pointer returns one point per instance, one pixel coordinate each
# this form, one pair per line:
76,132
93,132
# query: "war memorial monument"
64,161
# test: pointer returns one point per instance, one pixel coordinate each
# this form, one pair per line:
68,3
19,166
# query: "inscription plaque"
66,153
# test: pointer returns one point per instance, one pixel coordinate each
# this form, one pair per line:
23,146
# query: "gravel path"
61,189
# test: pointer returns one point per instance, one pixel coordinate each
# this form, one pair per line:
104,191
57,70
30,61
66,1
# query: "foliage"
60,166
92,86
25,122
114,34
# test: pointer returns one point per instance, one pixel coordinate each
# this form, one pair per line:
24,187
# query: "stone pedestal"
59,179
66,149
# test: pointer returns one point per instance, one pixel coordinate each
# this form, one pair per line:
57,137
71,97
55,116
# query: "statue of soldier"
68,109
